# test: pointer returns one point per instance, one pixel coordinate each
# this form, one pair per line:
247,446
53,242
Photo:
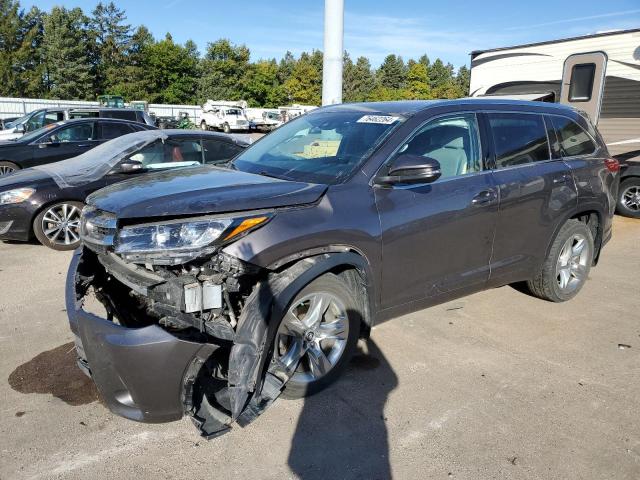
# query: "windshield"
97,162
27,137
234,112
17,121
323,147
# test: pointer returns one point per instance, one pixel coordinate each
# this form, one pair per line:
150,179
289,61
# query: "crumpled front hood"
199,191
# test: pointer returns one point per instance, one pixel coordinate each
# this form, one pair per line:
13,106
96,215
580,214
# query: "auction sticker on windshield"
380,119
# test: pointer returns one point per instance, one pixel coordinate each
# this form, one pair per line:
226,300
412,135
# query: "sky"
447,29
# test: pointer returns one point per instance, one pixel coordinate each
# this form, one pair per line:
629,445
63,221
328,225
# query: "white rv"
599,74
225,116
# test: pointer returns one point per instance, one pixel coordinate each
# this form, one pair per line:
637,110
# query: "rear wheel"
58,225
567,266
7,167
318,333
203,126
629,198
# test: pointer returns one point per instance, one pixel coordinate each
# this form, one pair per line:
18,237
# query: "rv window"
582,82
519,138
573,139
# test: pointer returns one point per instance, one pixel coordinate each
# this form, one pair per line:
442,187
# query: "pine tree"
112,38
304,85
68,70
392,73
463,79
359,80
418,82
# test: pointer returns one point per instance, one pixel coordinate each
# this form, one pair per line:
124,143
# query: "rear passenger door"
111,130
536,192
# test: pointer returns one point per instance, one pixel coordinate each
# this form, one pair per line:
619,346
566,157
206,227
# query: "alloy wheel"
313,336
631,198
571,268
6,170
61,224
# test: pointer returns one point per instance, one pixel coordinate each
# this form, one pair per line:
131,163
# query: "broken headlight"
172,243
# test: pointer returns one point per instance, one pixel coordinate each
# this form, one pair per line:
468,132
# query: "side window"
122,114
581,83
519,138
216,151
573,139
73,133
453,141
35,122
53,117
113,130
170,153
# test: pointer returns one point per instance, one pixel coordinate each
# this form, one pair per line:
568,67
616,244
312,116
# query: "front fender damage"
236,378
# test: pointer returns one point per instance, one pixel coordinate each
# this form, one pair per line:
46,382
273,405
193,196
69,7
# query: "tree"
260,85
68,70
440,74
135,81
171,71
418,82
359,80
221,69
304,85
112,38
463,79
392,72
20,40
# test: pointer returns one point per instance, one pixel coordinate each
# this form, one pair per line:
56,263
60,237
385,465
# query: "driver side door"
66,141
437,237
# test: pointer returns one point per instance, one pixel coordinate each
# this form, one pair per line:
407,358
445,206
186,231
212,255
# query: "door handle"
82,145
485,197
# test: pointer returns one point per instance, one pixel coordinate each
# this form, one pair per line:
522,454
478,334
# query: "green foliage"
68,69
66,54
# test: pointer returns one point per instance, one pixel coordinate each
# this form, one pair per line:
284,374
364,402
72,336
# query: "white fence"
17,107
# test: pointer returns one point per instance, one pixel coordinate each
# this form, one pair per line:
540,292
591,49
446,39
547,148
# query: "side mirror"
130,166
409,168
49,143
20,129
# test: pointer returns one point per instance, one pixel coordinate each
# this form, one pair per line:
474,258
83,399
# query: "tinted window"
573,139
452,141
519,138
582,82
53,117
112,130
170,153
216,151
35,122
84,114
73,133
123,114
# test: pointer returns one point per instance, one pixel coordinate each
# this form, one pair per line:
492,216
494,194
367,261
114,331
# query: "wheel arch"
593,216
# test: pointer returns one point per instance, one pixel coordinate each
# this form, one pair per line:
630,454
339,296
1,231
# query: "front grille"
97,227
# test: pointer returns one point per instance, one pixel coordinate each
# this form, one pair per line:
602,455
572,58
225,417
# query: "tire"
567,266
629,198
52,231
203,126
7,168
226,128
317,354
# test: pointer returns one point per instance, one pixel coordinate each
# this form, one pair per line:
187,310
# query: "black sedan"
62,140
46,201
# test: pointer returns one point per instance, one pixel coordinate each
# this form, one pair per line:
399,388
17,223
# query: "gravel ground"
495,385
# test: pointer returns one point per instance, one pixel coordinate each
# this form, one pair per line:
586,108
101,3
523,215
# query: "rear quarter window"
519,138
122,114
573,140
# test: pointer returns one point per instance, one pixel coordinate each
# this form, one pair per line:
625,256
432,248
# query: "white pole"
333,52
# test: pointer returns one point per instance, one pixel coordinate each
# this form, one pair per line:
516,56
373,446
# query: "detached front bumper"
144,374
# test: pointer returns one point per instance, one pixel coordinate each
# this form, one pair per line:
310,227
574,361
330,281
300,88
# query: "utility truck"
224,115
263,118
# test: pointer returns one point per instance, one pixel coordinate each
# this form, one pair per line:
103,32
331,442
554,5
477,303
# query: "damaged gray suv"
220,288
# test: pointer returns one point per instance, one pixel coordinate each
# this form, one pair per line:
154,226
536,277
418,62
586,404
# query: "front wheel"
58,225
7,167
203,126
567,265
629,198
318,333
226,128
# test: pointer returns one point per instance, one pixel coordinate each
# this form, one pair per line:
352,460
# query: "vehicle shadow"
342,431
55,372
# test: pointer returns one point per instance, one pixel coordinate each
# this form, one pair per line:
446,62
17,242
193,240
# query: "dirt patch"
55,372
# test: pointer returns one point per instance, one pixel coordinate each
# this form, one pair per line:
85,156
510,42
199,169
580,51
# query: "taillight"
612,164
